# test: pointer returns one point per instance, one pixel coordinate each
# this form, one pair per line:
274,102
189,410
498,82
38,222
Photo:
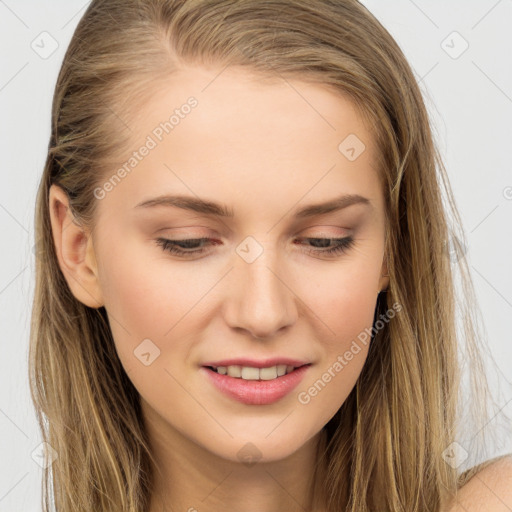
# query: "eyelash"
342,245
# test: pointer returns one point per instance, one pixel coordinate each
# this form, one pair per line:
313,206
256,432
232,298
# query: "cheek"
144,292
142,301
347,350
344,295
133,295
346,308
350,312
344,301
149,297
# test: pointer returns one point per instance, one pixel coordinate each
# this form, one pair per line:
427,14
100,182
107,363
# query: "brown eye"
183,247
340,245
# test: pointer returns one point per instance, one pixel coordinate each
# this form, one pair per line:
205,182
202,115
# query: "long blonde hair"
383,448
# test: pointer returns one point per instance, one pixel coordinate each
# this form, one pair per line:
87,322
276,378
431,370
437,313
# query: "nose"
260,300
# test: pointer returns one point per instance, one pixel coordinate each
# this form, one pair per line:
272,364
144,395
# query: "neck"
191,478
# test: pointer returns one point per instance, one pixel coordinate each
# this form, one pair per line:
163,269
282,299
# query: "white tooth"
235,371
268,373
249,373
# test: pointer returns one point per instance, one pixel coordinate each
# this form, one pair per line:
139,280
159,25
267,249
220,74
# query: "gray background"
469,96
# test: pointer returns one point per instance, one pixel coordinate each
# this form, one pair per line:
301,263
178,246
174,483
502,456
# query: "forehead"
249,134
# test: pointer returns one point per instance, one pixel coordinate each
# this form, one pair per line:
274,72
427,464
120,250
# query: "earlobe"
384,279
74,249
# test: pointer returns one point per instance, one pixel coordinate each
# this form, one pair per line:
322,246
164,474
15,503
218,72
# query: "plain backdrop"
460,51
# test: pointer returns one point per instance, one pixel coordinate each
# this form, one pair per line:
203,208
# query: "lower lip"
256,392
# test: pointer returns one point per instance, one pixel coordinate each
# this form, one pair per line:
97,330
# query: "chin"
254,446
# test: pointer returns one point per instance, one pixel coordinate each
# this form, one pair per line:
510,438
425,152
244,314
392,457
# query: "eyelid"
328,233
188,232
209,230
325,232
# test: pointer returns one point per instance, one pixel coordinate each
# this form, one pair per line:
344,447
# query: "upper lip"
253,363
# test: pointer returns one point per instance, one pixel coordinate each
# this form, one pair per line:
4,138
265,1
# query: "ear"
75,253
384,279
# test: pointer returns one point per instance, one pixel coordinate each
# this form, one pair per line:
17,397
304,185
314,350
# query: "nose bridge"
262,302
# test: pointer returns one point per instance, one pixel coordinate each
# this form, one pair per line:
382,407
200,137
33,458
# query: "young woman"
245,298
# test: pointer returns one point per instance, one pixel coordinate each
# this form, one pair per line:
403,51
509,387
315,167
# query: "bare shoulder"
490,489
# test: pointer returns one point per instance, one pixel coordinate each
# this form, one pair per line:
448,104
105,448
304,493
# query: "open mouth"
251,373
256,386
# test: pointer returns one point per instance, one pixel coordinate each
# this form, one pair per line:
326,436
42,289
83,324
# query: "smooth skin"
265,150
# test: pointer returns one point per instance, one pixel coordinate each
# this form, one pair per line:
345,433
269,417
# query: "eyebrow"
219,210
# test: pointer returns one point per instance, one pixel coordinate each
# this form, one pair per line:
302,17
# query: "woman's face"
257,288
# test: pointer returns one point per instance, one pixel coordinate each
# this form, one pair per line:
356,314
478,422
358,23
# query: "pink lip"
256,392
265,363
